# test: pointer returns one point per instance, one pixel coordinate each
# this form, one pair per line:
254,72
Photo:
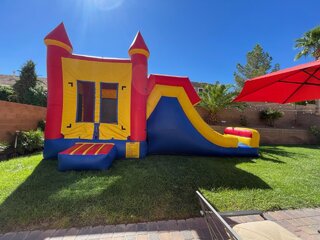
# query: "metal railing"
219,229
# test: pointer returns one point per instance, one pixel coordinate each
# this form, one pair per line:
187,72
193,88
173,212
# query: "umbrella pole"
317,112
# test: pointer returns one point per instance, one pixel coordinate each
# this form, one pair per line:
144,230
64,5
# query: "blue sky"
200,39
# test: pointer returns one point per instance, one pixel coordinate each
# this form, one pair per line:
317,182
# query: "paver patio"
305,223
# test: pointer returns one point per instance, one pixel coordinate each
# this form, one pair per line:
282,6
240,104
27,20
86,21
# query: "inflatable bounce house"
101,109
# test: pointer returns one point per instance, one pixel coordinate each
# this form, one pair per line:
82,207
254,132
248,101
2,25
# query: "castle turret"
139,54
58,46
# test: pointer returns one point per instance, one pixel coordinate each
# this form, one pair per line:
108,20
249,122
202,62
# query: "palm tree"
309,44
216,97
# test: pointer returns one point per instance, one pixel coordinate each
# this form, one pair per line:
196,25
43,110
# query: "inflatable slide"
175,127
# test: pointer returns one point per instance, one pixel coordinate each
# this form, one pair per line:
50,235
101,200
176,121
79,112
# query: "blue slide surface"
169,131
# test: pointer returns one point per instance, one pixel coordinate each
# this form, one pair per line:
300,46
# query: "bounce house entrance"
86,104
96,103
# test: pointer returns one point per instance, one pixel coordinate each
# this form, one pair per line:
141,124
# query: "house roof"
198,84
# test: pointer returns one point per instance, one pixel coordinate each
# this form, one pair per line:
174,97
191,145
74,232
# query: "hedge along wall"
16,116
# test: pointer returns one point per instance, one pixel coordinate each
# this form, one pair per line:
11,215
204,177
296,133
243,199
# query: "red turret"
139,46
59,37
58,46
139,54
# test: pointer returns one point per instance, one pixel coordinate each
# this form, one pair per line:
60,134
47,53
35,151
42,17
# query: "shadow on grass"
154,188
275,153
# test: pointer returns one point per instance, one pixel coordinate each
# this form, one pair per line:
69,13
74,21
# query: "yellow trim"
132,149
139,51
96,153
58,43
203,128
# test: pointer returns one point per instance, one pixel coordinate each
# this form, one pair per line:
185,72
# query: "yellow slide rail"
199,124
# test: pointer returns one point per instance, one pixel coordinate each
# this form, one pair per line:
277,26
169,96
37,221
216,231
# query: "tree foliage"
216,97
26,89
258,63
309,44
5,93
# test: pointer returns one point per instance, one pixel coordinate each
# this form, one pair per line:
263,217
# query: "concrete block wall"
291,129
16,116
294,116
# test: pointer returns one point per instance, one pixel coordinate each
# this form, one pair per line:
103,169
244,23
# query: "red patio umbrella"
293,84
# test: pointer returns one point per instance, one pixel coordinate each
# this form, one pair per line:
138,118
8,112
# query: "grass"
33,194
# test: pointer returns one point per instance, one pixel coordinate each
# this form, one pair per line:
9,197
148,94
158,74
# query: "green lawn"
33,194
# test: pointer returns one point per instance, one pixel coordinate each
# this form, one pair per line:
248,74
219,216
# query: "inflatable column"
58,46
139,54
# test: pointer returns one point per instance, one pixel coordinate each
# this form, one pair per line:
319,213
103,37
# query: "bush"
42,125
270,116
304,103
4,146
243,120
315,131
5,93
30,141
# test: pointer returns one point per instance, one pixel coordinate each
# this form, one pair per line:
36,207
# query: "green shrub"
270,116
304,103
315,131
42,125
6,92
4,146
29,141
243,120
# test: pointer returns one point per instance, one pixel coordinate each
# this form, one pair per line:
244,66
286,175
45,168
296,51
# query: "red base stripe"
82,149
70,149
106,149
94,149
88,149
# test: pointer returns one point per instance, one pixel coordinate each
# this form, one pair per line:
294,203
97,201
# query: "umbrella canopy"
300,83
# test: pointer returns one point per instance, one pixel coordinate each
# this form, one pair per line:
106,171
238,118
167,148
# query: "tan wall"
16,116
294,116
280,136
